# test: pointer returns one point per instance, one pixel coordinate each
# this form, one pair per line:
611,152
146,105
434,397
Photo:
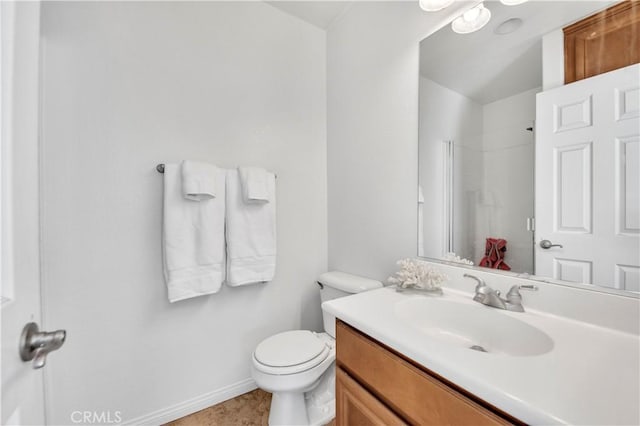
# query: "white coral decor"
452,257
416,273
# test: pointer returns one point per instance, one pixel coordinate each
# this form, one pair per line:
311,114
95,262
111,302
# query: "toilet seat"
290,352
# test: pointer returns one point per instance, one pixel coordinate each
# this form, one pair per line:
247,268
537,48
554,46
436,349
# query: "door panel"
628,277
588,180
577,271
627,103
572,186
572,115
22,386
627,185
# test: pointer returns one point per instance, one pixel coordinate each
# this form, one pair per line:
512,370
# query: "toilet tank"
337,284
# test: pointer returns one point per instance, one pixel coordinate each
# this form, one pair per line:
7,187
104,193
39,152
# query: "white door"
22,385
588,181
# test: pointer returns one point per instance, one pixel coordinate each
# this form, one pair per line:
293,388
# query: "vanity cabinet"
359,407
376,386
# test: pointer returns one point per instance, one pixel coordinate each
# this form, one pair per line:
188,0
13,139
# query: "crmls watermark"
96,417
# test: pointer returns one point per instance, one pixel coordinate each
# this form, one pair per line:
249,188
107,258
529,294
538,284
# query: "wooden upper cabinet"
602,42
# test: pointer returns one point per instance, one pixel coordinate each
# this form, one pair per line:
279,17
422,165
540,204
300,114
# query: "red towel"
494,251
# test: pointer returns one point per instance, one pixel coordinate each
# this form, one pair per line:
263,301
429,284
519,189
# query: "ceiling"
485,66
319,13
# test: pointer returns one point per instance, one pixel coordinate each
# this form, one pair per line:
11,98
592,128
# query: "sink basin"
471,326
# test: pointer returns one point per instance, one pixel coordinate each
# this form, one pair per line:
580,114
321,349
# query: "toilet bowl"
290,365
298,366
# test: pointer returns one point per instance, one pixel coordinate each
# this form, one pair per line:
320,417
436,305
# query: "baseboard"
190,406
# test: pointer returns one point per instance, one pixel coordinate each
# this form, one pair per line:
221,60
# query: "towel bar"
160,169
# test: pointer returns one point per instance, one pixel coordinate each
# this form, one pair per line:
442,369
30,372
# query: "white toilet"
298,367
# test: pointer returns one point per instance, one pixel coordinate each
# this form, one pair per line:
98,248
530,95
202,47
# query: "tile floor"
249,409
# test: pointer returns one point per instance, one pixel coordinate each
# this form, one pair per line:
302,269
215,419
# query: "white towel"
251,234
193,238
198,180
255,184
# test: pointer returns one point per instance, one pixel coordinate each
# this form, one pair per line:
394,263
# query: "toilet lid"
289,348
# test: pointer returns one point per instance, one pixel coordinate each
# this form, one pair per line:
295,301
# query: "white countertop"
590,376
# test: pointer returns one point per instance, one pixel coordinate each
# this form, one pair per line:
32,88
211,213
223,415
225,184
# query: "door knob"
35,344
546,244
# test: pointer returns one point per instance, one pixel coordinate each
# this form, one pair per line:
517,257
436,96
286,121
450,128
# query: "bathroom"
325,95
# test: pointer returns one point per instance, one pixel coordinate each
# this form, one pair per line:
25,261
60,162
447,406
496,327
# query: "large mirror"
519,171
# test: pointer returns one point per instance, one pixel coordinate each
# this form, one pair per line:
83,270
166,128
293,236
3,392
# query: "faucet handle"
482,289
514,296
530,287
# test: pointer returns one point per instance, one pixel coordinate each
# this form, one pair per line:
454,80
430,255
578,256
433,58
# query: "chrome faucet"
490,297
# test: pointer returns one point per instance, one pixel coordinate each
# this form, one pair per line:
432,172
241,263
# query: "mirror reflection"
521,167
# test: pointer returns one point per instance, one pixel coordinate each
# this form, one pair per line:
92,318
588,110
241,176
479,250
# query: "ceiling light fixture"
435,5
512,2
472,20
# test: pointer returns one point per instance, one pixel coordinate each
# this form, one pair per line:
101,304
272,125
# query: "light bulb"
471,15
472,20
435,5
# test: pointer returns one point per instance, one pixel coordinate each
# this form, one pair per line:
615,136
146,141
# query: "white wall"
129,85
372,129
553,59
448,115
508,157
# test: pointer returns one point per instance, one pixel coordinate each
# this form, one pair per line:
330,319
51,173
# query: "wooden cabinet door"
355,406
603,42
